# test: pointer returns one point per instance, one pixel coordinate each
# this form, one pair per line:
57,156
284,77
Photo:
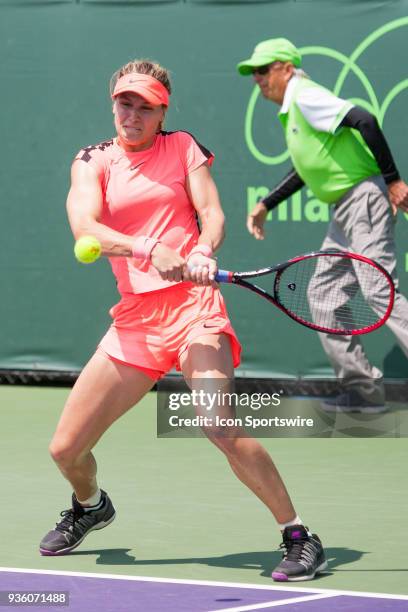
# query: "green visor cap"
268,51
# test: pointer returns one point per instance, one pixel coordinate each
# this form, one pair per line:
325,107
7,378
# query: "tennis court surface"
126,593
188,536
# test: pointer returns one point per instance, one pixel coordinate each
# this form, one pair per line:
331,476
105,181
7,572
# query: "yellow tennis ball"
87,249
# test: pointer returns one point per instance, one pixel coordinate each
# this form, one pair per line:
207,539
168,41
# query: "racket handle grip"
223,276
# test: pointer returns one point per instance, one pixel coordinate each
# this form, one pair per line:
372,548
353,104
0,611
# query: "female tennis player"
140,194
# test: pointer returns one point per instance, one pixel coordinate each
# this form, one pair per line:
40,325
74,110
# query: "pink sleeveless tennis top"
144,193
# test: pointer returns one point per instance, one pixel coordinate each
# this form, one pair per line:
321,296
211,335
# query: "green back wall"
56,61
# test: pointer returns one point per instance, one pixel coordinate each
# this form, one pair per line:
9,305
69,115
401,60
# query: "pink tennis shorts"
150,331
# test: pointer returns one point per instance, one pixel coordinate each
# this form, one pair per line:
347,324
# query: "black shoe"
75,525
352,401
303,556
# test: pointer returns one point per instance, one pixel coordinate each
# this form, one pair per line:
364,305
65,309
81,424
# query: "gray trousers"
362,222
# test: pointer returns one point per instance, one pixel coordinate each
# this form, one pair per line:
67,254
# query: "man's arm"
286,188
289,185
363,121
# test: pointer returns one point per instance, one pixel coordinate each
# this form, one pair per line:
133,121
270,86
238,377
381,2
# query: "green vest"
329,164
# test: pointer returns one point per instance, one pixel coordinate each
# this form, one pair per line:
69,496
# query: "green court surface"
181,513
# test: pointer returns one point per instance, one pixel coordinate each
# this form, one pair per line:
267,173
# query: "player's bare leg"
104,391
209,358
208,362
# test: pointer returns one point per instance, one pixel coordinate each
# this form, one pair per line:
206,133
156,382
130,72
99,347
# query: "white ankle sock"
92,502
295,521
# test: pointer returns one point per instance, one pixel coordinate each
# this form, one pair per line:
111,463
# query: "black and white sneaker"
75,525
303,556
352,401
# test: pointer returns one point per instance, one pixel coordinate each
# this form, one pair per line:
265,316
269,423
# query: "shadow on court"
264,561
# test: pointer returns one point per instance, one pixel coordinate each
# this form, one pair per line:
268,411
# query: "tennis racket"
335,292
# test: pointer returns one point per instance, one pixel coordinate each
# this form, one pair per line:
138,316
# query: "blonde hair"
142,66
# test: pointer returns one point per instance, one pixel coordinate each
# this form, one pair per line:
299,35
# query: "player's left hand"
201,269
398,194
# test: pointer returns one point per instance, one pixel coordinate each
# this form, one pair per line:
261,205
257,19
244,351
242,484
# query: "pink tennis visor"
145,86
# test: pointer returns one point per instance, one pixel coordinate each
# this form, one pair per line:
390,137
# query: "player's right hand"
169,264
201,269
256,220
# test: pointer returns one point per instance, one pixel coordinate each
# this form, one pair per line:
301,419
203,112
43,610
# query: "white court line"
275,604
235,585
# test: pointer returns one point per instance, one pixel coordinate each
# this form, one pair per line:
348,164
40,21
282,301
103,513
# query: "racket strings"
334,292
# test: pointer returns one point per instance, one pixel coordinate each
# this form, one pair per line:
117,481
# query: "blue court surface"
113,593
